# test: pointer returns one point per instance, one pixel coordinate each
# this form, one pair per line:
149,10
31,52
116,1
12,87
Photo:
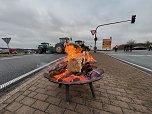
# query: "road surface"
139,57
13,67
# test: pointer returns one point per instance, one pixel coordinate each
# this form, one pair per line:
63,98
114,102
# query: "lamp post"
95,31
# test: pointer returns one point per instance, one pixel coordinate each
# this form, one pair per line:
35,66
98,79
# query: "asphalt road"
14,67
139,57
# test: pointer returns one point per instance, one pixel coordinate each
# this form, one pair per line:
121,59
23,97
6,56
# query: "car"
0,51
139,48
4,51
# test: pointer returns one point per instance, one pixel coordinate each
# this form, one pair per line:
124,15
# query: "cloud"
31,22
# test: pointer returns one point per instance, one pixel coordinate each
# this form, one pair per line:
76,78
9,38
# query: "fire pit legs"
67,93
60,85
92,90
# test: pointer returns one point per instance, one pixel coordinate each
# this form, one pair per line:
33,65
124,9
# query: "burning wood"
77,66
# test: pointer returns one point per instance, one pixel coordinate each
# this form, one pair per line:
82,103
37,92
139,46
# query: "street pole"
95,47
95,39
8,48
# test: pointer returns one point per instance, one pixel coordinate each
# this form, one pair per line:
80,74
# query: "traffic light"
95,39
133,18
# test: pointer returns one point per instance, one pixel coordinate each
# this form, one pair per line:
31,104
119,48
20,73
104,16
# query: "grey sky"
30,22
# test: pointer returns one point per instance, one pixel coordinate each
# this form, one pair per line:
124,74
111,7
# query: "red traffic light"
133,18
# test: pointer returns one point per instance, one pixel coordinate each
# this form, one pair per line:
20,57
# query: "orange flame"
74,53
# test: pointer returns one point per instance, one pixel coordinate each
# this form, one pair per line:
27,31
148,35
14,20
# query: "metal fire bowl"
76,82
68,84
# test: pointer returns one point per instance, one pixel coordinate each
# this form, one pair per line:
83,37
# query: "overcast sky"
30,22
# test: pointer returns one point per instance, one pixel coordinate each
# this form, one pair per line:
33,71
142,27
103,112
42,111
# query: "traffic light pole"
95,39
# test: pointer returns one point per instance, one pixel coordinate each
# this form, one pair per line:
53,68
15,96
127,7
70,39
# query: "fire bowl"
89,73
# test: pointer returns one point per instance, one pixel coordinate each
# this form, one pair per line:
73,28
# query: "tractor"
59,47
83,46
43,48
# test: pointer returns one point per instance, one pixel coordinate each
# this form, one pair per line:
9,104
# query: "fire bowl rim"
77,82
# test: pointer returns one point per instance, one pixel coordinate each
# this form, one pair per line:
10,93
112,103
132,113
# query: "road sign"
106,43
7,40
93,32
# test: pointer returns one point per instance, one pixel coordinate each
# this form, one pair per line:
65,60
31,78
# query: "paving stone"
28,101
52,93
67,105
32,88
137,101
40,105
70,112
13,106
114,92
26,92
119,103
136,107
96,111
111,96
53,100
120,90
83,109
39,112
2,106
40,90
94,104
127,111
51,88
40,96
32,94
124,99
12,98
21,97
25,110
52,109
8,112
78,100
103,100
112,109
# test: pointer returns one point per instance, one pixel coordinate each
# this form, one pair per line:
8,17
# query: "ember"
77,68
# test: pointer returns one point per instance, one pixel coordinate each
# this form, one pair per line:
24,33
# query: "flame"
74,52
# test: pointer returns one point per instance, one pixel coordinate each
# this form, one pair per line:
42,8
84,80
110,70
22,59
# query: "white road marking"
131,55
27,74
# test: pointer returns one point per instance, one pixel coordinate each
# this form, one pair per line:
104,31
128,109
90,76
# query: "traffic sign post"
7,40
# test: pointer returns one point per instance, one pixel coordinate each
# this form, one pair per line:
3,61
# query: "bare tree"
131,41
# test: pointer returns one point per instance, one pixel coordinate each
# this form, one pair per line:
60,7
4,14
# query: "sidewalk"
123,90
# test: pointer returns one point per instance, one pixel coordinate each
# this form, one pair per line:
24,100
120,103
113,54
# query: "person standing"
150,47
116,48
130,47
124,48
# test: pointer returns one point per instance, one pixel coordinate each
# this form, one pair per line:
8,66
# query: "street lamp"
94,32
